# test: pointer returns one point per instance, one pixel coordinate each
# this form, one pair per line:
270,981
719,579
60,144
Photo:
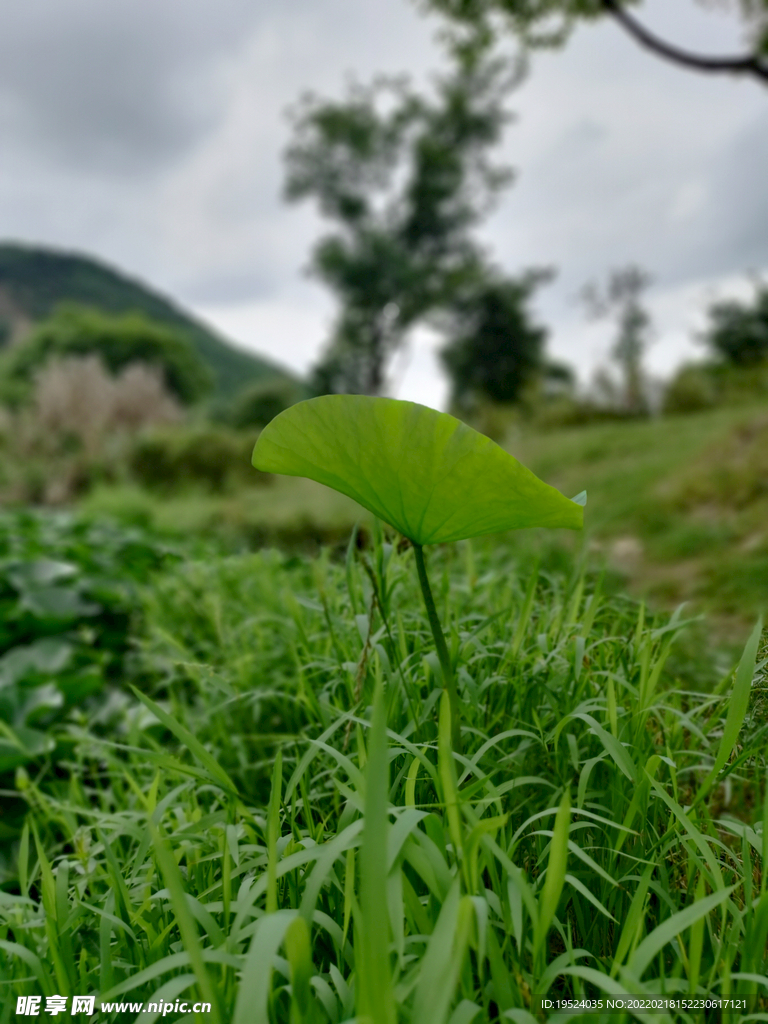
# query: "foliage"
118,341
74,396
691,389
35,281
260,402
67,594
431,477
434,479
737,333
621,297
711,551
215,458
698,386
549,23
404,177
732,473
494,349
222,838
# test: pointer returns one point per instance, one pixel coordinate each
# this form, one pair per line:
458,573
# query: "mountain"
34,280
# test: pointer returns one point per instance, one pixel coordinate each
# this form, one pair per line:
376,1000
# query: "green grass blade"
668,930
273,825
186,922
556,868
737,707
376,1002
191,742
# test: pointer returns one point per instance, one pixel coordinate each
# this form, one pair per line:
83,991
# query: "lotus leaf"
424,472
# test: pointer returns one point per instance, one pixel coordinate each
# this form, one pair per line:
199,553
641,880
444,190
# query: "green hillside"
35,280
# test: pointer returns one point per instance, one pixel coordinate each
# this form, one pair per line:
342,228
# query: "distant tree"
260,402
621,297
549,23
404,178
737,333
494,348
119,341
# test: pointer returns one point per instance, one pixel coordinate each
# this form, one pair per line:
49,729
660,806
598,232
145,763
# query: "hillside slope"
678,505
34,280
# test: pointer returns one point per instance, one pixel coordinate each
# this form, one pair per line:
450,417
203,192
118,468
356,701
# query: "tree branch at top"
747,64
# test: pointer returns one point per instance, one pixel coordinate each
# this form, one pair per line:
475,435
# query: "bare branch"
749,64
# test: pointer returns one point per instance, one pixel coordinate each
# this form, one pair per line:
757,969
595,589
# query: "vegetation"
736,339
434,480
494,349
737,333
621,297
119,342
405,178
235,827
548,23
257,404
34,281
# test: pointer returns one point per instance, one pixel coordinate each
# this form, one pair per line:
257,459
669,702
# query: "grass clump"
282,827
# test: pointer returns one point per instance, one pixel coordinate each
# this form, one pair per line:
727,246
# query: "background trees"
737,333
118,340
547,23
621,297
404,178
494,347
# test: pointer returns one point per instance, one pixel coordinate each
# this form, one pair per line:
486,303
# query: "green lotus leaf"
424,472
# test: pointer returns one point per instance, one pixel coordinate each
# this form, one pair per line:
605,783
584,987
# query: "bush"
212,457
118,340
737,332
702,386
260,402
68,599
692,389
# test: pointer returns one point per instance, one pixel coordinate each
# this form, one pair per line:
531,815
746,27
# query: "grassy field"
678,504
677,508
236,783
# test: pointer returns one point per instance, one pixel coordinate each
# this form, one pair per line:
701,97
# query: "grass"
691,490
266,811
677,507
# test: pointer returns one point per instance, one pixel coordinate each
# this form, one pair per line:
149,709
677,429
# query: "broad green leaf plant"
427,474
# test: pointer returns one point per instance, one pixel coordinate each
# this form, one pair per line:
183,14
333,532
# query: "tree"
404,178
621,297
738,332
548,23
494,348
118,340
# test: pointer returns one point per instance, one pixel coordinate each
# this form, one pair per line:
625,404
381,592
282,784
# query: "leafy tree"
118,340
738,332
259,403
494,348
621,297
548,23
404,178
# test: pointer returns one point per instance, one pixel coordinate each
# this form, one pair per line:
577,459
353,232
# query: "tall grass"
278,822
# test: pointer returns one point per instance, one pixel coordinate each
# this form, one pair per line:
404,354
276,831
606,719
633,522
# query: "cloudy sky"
150,135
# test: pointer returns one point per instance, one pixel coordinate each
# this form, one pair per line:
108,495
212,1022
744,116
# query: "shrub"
212,457
738,332
690,390
260,402
119,340
702,386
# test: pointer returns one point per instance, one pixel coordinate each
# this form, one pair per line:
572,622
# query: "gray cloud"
115,86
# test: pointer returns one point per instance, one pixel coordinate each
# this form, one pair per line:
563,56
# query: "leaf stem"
441,646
